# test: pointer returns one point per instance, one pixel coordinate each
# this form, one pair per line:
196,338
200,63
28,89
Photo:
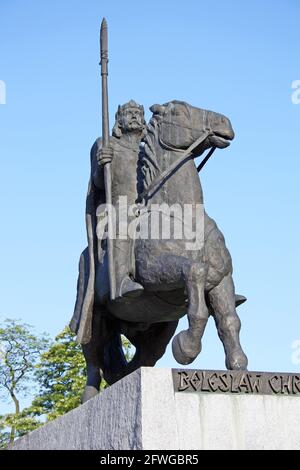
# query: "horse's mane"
148,166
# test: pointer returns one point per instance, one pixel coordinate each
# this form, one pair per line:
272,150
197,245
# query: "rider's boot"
126,286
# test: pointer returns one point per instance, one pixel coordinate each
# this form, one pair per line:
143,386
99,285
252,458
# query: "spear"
107,166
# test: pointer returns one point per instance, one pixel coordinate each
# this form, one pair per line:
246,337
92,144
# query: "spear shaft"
107,166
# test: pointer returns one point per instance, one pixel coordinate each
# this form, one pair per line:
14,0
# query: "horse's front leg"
186,345
222,303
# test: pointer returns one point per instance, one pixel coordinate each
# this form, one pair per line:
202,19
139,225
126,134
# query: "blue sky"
237,58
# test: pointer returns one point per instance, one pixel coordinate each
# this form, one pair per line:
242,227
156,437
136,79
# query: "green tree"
61,378
59,373
22,423
20,350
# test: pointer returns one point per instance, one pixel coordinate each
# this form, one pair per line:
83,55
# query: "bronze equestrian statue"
168,280
153,253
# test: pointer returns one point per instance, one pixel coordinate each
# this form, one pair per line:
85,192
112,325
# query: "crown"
130,104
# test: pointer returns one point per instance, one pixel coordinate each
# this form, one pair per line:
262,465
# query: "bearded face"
132,119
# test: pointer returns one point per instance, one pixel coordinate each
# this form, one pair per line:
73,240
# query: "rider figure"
123,153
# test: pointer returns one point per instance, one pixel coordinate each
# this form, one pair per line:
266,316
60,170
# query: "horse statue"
176,278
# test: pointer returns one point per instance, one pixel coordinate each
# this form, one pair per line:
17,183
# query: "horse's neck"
183,186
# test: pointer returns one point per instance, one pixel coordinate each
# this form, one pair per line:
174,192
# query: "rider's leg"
187,344
222,302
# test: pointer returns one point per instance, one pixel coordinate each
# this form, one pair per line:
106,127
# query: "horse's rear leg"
222,304
187,344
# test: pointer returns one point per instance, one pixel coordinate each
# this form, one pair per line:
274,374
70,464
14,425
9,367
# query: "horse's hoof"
183,351
89,392
237,360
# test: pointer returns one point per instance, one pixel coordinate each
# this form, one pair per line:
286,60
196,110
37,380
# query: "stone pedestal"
146,411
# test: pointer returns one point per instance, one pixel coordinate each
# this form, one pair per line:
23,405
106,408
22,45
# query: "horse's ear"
157,109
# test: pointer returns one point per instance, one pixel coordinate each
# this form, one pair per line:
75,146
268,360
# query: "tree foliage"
20,350
22,423
57,370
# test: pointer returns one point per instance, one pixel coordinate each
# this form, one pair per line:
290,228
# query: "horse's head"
181,125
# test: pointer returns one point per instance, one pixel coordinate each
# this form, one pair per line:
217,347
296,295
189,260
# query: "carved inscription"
236,382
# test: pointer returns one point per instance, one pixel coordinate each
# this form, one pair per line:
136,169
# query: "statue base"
164,409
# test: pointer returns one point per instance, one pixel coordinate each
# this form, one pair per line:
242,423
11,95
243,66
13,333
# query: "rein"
186,156
205,159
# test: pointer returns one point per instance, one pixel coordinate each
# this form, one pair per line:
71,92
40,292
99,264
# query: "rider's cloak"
81,322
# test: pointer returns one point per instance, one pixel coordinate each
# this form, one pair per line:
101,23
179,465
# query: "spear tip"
104,24
103,40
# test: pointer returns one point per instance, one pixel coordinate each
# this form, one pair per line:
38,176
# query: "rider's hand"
105,155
